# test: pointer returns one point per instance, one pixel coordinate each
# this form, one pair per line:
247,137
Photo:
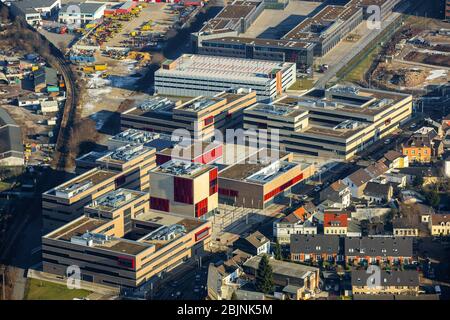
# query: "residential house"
223,278
296,280
339,193
440,224
314,248
390,282
373,250
358,180
395,160
297,222
378,193
430,174
254,244
418,148
406,226
335,223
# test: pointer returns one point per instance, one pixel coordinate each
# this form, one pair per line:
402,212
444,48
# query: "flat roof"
164,219
182,168
135,136
349,99
316,27
126,153
116,199
76,228
94,177
193,65
286,44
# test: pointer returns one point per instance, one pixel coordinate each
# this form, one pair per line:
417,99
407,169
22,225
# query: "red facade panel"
202,234
159,204
162,158
201,208
213,182
283,187
183,190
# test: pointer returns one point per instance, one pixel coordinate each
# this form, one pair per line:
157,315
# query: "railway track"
62,149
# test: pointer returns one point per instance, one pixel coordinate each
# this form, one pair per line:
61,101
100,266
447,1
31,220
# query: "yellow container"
34,68
100,67
88,69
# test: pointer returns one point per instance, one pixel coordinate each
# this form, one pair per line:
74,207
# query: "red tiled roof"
335,220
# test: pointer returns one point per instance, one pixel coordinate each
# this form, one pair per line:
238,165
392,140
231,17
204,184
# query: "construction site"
417,58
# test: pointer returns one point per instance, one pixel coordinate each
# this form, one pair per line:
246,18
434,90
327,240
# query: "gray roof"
375,189
27,6
89,8
48,76
314,244
378,246
284,268
5,118
257,239
388,278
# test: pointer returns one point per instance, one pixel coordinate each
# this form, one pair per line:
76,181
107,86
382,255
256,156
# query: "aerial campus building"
261,180
314,36
195,75
201,116
185,188
334,123
119,242
127,166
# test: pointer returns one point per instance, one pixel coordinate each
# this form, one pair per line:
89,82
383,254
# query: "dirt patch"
433,59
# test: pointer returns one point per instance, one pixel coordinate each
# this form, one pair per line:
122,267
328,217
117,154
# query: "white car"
316,189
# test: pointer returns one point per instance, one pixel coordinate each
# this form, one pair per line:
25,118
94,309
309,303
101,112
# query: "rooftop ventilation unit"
200,104
74,189
113,199
127,152
89,239
347,124
166,233
157,104
178,167
136,136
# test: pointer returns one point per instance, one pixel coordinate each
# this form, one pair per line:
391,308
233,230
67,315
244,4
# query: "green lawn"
358,71
302,84
43,290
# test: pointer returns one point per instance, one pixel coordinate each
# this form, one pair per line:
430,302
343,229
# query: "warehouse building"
32,11
11,143
127,251
201,116
333,123
196,75
87,12
259,181
185,188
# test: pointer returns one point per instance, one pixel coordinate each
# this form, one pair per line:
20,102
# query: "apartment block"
200,116
418,149
315,248
120,253
196,75
184,187
258,181
65,202
133,160
334,123
392,250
